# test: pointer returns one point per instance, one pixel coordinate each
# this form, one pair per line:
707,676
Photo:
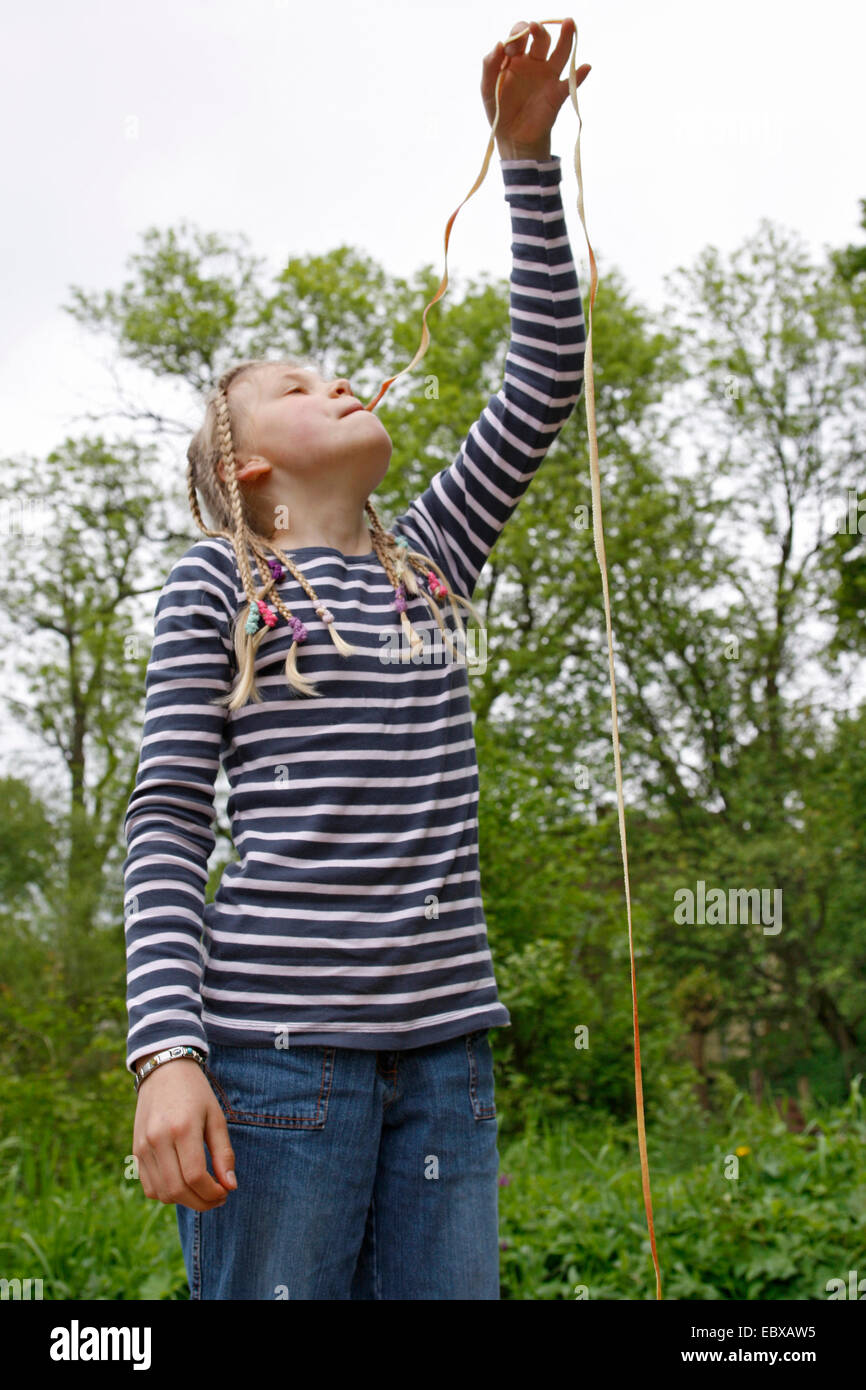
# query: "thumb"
216,1136
580,76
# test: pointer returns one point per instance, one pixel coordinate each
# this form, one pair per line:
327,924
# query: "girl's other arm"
170,837
169,818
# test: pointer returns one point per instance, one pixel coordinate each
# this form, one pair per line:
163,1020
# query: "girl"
321,1028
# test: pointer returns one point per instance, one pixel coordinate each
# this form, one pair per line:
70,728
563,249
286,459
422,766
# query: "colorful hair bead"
400,599
401,540
267,613
253,621
299,632
325,614
276,569
435,585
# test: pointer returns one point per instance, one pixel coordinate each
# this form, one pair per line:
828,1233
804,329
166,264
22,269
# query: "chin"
384,449
381,426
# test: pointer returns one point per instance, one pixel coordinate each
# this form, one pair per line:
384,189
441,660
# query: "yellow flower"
742,1151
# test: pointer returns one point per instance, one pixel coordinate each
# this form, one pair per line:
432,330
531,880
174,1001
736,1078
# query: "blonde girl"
311,1048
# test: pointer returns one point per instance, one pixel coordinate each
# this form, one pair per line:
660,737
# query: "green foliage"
87,1233
53,1050
25,870
847,585
188,292
572,1215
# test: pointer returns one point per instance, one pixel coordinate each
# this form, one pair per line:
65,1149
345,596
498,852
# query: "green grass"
573,1225
86,1233
571,1211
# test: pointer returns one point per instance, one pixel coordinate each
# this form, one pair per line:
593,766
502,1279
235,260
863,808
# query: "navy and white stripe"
353,916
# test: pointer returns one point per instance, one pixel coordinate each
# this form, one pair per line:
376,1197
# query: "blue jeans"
360,1175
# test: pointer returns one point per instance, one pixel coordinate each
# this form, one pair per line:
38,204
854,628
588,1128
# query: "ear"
250,472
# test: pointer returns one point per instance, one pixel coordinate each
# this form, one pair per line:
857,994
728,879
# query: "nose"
343,386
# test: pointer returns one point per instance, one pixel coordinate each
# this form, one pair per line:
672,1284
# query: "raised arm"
461,514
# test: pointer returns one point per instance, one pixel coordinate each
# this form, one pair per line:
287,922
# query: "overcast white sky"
306,126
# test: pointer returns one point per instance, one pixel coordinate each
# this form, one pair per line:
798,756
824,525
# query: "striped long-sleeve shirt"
353,916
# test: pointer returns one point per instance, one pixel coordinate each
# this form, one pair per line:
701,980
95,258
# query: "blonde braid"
247,643
423,564
269,582
193,503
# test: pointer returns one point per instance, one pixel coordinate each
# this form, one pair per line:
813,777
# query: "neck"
355,539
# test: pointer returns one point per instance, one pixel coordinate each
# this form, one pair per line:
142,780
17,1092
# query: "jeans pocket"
481,1088
279,1088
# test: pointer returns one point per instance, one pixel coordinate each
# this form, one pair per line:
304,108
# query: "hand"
177,1112
531,92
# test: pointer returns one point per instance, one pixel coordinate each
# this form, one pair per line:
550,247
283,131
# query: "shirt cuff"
554,159
520,173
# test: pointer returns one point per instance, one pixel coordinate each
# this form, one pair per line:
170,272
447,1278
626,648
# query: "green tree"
779,404
99,536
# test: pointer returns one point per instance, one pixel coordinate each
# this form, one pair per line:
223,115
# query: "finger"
173,1184
559,56
193,1169
540,41
216,1136
147,1176
159,1189
582,72
495,56
490,70
515,46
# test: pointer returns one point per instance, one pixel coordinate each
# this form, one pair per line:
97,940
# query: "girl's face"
310,429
